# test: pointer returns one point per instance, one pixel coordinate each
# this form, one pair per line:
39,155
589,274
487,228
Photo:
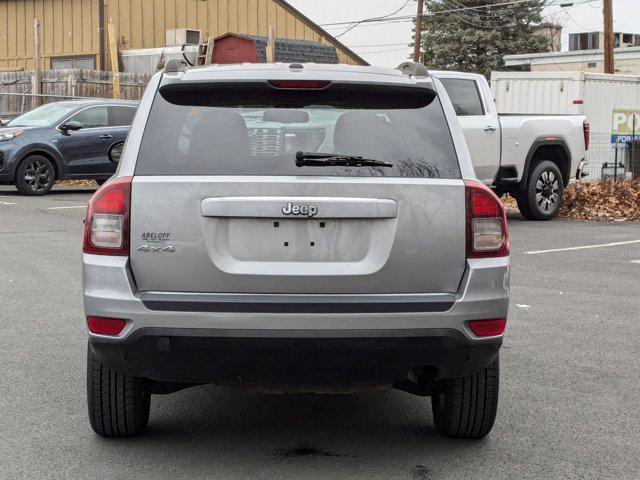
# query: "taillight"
106,227
587,134
298,84
487,234
105,326
488,328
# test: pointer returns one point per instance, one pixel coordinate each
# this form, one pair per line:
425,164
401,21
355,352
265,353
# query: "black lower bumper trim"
276,307
260,357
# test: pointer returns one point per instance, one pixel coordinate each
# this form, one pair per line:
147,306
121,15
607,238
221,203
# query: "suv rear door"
219,205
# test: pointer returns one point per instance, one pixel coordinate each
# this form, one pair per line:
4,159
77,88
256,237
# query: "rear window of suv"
241,132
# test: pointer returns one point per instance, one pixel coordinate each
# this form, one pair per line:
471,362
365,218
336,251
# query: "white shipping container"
571,93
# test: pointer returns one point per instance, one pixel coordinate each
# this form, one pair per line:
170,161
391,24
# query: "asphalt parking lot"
570,389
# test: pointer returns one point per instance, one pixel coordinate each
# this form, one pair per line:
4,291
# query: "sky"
386,44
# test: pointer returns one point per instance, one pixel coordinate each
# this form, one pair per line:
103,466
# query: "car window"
233,138
464,95
43,116
91,117
121,116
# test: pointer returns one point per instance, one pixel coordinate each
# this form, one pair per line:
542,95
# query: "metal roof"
291,50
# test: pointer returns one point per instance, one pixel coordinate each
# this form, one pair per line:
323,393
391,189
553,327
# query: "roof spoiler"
414,69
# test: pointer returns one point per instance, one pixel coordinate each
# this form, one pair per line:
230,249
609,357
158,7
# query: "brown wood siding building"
74,28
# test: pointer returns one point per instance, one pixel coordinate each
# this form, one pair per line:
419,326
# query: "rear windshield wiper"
310,159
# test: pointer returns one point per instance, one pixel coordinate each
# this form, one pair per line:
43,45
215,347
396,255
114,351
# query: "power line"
487,23
384,51
413,17
579,25
410,18
380,45
355,24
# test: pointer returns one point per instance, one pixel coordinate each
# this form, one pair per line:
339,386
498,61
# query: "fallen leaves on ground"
598,201
601,201
76,183
510,204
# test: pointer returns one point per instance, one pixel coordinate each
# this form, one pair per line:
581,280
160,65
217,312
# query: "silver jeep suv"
295,228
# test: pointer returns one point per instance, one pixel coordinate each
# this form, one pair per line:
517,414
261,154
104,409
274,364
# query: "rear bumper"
583,169
374,357
261,338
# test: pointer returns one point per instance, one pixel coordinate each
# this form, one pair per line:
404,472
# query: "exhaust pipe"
420,377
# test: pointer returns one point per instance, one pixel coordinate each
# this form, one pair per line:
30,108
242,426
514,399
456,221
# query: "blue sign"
622,139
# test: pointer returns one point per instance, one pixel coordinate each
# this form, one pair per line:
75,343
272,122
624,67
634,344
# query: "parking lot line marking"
66,206
584,247
635,261
8,203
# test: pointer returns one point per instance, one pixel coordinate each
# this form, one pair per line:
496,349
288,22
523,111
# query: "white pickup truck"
531,157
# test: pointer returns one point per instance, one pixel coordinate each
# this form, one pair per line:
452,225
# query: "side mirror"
115,152
70,126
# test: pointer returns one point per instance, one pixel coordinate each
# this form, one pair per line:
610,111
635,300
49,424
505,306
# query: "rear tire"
35,176
466,407
542,197
118,406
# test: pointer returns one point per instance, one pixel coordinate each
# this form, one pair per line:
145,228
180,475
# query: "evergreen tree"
476,40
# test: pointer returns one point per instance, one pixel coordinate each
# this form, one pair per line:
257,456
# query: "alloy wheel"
547,186
38,175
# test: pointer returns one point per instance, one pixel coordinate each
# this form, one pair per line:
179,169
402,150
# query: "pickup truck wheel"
118,406
35,175
544,191
466,407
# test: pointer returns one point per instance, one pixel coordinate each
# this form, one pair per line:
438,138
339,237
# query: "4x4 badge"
156,248
308,210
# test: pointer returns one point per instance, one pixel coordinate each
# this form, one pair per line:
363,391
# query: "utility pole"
113,50
37,60
607,11
271,45
418,33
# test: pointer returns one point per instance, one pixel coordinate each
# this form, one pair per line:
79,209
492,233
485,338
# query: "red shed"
231,48
239,48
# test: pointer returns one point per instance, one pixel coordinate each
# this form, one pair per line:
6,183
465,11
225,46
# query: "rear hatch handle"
299,207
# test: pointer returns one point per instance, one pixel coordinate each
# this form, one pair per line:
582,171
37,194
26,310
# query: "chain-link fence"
607,160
